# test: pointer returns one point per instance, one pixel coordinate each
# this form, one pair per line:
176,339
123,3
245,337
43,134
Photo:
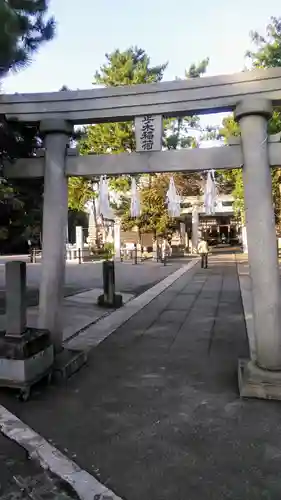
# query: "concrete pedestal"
114,303
257,383
26,354
25,359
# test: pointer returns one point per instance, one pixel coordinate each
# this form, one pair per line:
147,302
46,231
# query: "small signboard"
148,130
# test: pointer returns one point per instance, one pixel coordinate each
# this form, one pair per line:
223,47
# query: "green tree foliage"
17,140
266,54
121,68
20,200
154,216
23,28
129,68
178,130
79,193
178,135
232,180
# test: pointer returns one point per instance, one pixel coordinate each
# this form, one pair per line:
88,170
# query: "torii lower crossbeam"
185,160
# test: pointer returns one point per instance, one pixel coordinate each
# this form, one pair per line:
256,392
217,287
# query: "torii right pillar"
260,378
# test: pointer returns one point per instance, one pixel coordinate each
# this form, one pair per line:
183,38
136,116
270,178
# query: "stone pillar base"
25,359
115,303
257,383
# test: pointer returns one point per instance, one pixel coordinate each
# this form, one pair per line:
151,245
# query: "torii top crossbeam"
181,97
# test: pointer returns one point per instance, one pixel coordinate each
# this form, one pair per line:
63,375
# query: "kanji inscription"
148,131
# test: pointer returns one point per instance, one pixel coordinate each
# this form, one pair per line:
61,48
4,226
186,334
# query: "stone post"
109,298
55,215
79,243
92,228
66,245
154,250
195,228
110,237
109,281
244,239
139,253
186,238
253,115
15,298
67,233
182,233
117,240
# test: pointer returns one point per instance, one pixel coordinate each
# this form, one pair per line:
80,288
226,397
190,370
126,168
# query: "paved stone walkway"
156,413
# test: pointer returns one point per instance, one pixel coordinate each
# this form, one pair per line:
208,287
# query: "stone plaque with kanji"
148,130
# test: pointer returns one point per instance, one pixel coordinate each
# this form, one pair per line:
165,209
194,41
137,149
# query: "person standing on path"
203,250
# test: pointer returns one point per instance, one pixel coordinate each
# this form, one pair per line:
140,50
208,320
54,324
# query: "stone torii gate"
251,95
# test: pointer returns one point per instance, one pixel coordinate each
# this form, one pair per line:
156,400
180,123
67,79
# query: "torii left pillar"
56,135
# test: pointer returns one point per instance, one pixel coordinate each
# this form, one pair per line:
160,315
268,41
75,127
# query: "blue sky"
180,32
